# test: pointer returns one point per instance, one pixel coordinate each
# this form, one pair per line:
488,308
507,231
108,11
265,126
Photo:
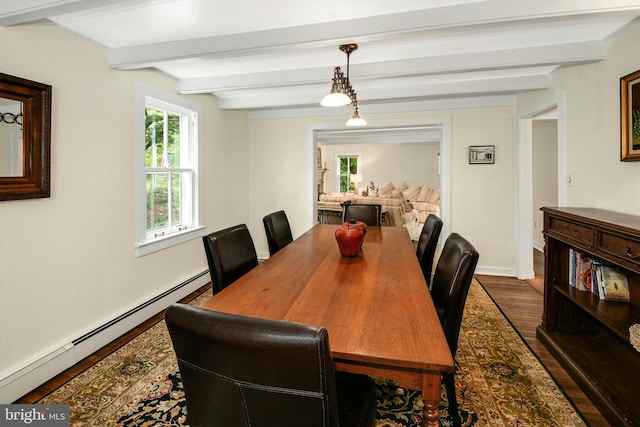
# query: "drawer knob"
629,254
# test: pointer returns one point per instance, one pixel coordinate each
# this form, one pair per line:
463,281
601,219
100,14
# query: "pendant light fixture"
341,91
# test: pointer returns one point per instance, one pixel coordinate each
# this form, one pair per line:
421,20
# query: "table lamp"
355,178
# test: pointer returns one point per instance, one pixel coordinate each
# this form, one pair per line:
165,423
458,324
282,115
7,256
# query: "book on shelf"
584,275
572,267
604,280
596,274
615,285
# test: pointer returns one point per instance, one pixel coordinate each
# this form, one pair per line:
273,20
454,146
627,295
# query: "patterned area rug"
499,382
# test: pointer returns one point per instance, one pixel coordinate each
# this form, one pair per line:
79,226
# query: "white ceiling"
278,55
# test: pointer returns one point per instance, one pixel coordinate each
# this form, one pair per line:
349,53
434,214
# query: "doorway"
544,159
540,175
435,131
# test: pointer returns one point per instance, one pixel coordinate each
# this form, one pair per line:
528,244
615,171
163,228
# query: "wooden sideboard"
588,335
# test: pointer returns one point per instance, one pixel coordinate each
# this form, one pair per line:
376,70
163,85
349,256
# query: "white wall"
282,176
482,197
67,263
386,162
592,127
545,173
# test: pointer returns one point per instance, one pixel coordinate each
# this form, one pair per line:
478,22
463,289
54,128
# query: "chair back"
427,244
241,371
276,226
230,254
451,282
370,214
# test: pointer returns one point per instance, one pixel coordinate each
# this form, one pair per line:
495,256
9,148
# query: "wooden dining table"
376,306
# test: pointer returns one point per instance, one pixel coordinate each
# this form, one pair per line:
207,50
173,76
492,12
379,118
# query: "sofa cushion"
406,205
425,192
387,189
434,197
399,189
411,192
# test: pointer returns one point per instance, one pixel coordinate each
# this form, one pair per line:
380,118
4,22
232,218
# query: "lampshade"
338,95
356,120
335,99
355,178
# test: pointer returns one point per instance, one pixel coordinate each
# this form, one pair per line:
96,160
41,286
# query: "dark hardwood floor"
520,302
522,305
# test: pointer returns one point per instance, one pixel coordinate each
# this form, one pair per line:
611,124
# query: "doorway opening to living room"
398,167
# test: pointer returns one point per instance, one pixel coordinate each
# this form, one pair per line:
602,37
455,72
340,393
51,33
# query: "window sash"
179,203
169,201
346,166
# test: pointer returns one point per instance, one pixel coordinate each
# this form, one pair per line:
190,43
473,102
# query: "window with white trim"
347,165
168,166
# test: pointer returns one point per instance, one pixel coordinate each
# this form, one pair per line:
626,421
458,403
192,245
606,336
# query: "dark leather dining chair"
278,230
245,371
230,254
451,282
427,243
370,214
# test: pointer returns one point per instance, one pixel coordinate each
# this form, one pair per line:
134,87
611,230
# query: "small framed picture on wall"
630,117
481,154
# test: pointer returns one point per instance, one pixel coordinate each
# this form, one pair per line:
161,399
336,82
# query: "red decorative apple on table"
350,236
357,223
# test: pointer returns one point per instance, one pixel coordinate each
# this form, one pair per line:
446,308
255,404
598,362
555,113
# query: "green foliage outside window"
161,152
157,201
154,139
348,166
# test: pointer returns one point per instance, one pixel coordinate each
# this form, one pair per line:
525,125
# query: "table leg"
431,397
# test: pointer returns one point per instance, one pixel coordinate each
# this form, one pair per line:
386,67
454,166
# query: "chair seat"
427,244
356,400
278,231
241,371
449,291
230,254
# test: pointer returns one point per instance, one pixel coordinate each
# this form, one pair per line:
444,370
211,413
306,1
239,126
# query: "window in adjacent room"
170,171
347,166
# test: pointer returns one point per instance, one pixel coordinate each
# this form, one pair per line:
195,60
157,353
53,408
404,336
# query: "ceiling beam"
331,34
28,10
452,103
568,54
411,89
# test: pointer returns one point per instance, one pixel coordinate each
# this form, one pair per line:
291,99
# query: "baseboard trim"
22,380
495,271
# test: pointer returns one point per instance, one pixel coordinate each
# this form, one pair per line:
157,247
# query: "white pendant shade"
356,120
335,99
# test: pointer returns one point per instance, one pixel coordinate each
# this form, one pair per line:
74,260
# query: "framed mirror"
25,138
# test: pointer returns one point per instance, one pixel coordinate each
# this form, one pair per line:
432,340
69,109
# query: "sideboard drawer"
576,232
622,247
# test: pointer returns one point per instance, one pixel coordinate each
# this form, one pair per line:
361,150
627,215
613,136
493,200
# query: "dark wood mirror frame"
36,139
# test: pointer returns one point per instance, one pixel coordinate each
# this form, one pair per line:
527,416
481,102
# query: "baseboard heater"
20,380
137,309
